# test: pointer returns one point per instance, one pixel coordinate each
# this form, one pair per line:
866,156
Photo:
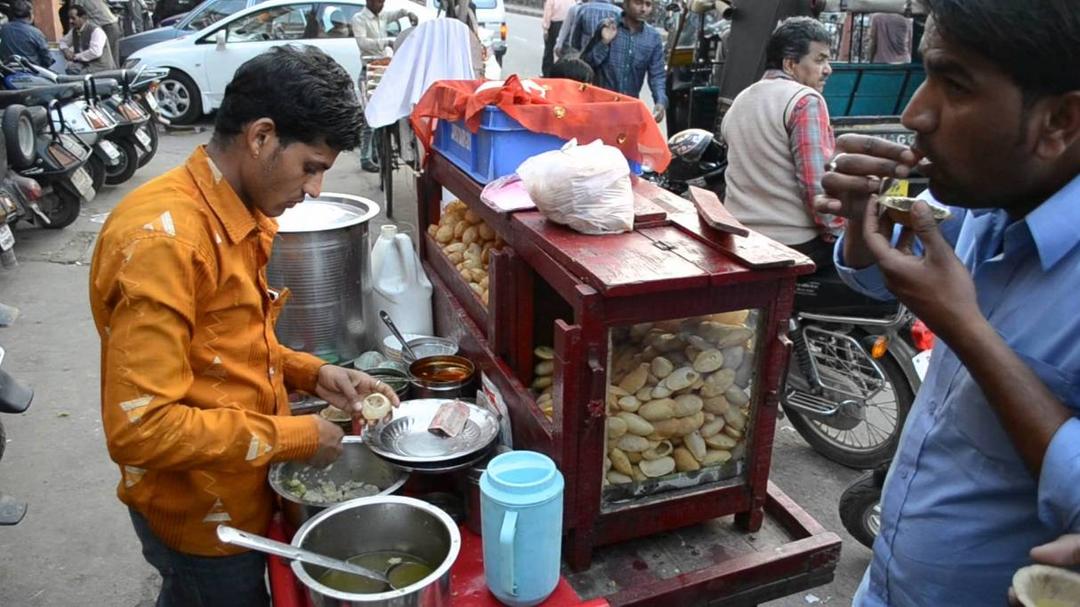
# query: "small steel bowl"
397,380
425,347
442,376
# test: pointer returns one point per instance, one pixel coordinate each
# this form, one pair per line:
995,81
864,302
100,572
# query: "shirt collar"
773,74
238,219
1055,224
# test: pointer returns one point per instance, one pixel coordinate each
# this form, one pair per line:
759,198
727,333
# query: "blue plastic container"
496,149
521,512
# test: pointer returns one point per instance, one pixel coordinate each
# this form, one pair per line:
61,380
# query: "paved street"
76,545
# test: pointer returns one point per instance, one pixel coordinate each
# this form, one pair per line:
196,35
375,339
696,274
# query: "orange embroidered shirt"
193,380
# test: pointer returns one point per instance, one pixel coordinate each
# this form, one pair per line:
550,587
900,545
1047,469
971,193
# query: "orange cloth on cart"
568,110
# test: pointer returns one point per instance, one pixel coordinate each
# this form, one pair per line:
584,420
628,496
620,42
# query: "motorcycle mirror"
14,397
2,352
219,39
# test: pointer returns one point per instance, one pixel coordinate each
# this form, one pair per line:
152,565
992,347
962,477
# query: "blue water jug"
521,512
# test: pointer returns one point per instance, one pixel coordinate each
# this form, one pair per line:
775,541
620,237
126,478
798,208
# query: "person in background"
102,16
779,139
627,51
85,46
563,47
554,15
20,37
572,68
369,28
194,384
890,38
985,474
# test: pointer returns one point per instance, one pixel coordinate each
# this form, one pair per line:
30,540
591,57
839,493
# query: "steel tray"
406,440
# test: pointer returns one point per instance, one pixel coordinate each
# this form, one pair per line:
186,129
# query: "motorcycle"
14,398
48,152
853,372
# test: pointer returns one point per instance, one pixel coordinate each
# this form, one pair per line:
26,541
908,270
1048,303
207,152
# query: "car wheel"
179,98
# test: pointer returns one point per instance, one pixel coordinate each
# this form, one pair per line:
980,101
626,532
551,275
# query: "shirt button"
271,371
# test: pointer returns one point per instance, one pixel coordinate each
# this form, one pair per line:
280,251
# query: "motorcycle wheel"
96,167
152,131
125,169
844,446
64,211
860,510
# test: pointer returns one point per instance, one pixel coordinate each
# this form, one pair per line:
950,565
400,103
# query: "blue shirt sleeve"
1059,494
657,73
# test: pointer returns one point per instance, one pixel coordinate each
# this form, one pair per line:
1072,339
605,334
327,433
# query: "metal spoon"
231,535
393,329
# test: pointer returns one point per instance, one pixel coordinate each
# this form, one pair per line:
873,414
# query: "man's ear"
1058,124
260,136
788,66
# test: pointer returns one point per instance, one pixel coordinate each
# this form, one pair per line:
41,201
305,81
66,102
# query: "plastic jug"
521,510
400,286
382,243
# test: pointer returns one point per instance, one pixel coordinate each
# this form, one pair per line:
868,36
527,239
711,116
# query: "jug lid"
521,478
327,212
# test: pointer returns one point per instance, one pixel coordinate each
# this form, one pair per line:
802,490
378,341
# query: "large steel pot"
357,463
375,524
321,254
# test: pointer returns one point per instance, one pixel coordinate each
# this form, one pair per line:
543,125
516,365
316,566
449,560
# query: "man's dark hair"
573,68
78,10
1035,42
307,94
792,38
21,9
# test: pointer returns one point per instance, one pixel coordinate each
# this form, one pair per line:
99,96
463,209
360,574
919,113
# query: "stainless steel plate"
406,440
440,468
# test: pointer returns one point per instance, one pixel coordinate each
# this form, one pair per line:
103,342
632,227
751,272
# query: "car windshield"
212,12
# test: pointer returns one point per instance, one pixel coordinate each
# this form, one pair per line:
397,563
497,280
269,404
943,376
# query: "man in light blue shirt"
988,466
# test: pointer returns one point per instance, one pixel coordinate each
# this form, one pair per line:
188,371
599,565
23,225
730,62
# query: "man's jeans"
201,581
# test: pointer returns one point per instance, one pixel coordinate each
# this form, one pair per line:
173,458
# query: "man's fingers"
926,228
1063,552
839,185
875,146
827,205
876,241
862,164
906,243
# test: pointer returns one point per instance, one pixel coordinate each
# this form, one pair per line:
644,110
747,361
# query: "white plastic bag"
585,187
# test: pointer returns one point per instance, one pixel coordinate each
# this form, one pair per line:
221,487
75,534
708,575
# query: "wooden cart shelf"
556,287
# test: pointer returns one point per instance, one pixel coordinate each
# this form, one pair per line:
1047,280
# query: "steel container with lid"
320,255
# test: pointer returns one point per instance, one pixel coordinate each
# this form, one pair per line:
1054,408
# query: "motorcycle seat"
42,95
118,75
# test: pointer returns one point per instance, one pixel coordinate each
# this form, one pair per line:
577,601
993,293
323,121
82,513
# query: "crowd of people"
91,41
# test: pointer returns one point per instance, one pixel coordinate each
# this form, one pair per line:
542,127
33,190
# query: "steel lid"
327,212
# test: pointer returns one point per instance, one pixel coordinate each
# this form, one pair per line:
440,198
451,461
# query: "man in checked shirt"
779,140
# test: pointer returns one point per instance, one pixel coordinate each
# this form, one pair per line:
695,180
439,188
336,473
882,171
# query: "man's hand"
346,388
936,286
329,443
69,54
856,173
1062,552
658,112
608,31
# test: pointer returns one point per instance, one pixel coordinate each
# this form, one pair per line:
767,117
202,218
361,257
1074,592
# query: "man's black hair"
78,10
792,38
307,94
1035,42
574,68
21,9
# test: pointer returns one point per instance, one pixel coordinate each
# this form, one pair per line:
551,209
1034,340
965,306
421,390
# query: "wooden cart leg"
578,550
750,520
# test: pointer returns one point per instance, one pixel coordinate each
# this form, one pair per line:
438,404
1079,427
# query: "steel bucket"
321,254
374,524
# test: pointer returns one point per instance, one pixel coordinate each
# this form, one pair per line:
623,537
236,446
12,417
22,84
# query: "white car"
202,64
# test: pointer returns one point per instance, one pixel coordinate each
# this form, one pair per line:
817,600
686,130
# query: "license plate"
144,139
921,362
110,151
7,239
83,182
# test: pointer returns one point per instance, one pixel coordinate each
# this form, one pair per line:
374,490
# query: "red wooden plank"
663,513
705,257
669,202
615,264
714,213
756,251
646,211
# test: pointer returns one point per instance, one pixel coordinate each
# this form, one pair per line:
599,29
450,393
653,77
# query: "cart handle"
506,549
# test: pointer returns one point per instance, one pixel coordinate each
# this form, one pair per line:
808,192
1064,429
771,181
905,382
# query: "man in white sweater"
779,140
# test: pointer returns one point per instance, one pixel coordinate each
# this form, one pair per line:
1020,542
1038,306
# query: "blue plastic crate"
496,149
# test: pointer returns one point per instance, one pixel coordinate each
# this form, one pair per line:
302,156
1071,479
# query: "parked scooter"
48,152
14,398
852,375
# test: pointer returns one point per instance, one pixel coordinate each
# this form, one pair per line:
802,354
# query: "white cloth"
439,49
370,30
94,49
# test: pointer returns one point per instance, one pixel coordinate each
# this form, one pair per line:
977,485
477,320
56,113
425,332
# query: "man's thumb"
924,224
1064,551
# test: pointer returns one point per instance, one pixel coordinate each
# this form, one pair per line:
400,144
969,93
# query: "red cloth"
569,110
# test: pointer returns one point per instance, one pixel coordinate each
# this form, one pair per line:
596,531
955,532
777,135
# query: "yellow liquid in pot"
404,570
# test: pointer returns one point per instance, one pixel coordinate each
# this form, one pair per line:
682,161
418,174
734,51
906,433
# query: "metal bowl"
375,524
405,440
422,345
357,463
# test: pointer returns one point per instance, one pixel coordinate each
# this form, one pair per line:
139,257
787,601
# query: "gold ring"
831,166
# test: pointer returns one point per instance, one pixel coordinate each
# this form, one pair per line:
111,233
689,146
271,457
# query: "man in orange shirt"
193,381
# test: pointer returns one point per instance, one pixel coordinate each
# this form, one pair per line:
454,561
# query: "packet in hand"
450,419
